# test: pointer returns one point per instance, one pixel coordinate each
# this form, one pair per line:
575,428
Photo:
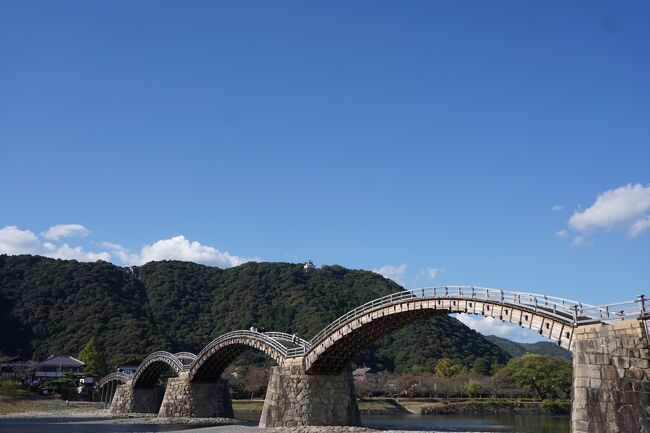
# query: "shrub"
559,407
9,387
473,388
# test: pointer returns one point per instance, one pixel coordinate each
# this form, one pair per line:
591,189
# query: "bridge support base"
611,378
199,400
294,398
128,399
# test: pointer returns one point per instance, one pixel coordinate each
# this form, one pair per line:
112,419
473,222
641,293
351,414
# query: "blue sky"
503,144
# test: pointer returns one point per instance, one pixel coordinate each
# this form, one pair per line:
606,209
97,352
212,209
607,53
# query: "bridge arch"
154,366
223,350
336,345
104,390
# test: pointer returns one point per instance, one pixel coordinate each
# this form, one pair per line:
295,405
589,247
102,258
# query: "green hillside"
52,306
539,348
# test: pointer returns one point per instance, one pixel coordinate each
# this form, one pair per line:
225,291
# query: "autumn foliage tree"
446,368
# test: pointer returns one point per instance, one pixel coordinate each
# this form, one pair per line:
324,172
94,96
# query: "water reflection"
451,423
47,426
447,423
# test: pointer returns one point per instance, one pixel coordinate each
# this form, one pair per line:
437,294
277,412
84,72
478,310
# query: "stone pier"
199,400
295,398
611,378
128,399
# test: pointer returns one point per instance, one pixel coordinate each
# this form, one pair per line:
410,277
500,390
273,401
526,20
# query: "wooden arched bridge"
312,384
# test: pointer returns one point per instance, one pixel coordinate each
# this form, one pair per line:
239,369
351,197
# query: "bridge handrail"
573,312
360,310
113,376
185,355
617,311
244,333
162,354
288,337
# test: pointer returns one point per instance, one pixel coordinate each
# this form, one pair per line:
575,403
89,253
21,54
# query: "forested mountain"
539,348
52,306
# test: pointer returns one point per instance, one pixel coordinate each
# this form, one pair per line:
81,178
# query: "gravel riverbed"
77,417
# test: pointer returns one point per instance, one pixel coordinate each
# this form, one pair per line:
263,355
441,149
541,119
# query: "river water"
447,423
48,425
464,423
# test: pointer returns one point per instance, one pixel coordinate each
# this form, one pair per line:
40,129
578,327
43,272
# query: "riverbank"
28,403
251,409
92,418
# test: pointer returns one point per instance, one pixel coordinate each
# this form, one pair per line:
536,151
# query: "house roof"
63,361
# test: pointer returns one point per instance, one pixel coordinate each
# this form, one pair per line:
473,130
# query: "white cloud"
579,241
64,231
179,248
492,326
123,254
625,207
67,252
432,273
639,226
561,234
557,207
395,273
16,241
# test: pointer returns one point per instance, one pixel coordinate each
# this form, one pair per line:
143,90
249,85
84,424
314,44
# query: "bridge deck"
569,313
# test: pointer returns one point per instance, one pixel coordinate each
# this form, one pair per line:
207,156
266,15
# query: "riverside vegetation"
527,384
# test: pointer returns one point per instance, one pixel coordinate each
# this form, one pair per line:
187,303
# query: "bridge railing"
288,337
114,376
640,307
185,356
254,335
572,312
361,310
169,356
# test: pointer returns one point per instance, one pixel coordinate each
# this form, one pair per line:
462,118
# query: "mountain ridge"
515,348
53,306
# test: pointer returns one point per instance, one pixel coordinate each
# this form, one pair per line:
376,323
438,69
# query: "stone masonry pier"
128,399
295,398
611,378
182,399
196,399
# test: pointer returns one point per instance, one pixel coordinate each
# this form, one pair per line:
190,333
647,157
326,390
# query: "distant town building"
309,265
365,375
17,368
56,366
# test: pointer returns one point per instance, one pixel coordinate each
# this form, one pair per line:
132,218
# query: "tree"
362,388
481,366
473,388
546,376
429,384
446,368
94,359
255,382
